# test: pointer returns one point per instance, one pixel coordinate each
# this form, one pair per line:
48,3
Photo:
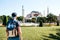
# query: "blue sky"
9,6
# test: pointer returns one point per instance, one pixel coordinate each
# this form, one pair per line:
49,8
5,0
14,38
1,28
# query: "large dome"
34,14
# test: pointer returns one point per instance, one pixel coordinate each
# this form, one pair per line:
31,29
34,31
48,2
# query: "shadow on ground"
53,36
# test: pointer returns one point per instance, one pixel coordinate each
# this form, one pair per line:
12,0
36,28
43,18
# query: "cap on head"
14,14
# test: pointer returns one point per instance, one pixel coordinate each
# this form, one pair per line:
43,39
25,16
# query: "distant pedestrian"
13,29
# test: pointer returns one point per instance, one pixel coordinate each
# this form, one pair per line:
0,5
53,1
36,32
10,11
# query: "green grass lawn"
35,33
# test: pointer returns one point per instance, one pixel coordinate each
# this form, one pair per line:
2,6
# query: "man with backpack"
13,29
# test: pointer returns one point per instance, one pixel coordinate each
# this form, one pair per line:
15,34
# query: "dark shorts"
13,38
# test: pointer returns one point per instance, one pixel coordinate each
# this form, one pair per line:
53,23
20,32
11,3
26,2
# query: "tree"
41,18
0,18
20,18
4,20
33,20
40,23
57,23
51,18
8,17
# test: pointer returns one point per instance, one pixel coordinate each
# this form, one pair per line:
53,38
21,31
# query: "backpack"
12,28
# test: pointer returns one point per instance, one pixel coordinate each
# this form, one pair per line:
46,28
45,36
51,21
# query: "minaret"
44,13
22,10
23,13
47,10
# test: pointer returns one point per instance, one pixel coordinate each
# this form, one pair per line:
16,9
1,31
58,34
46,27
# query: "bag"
11,27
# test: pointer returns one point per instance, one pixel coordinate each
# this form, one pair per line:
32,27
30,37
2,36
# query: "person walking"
13,28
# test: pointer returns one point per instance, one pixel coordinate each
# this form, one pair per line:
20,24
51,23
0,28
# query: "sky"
7,7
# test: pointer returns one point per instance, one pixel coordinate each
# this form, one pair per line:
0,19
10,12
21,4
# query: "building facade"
33,14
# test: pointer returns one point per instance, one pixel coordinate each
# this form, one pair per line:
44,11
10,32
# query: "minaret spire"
47,10
23,13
